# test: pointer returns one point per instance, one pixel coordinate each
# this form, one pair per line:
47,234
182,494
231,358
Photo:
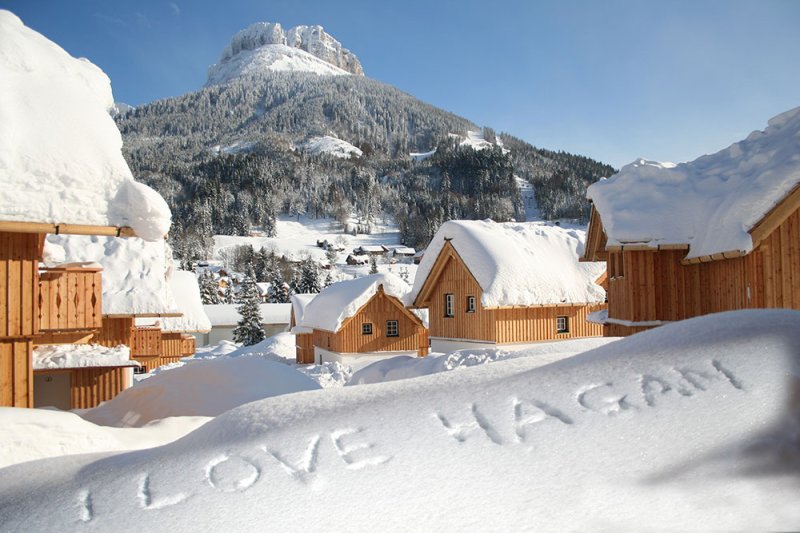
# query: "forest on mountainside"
224,158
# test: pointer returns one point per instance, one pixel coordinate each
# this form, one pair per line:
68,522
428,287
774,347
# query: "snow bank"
406,367
135,271
186,293
299,303
710,203
678,428
30,434
339,301
331,146
55,356
530,263
200,388
60,151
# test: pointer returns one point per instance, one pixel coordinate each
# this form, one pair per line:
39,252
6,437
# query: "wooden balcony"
70,299
146,341
187,345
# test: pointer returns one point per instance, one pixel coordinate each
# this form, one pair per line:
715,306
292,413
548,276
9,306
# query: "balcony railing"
70,299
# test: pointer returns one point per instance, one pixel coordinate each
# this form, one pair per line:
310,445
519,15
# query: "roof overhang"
13,226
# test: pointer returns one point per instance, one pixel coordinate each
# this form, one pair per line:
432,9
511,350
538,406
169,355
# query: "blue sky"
613,80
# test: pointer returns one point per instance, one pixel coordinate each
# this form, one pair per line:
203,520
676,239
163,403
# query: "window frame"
367,326
449,305
565,319
396,325
472,304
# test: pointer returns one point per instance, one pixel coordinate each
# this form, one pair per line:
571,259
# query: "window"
449,305
562,324
470,304
392,328
366,328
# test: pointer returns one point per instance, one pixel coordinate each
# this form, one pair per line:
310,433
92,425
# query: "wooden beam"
146,315
13,226
780,212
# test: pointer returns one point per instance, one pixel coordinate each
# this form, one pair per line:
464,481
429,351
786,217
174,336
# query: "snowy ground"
298,239
675,428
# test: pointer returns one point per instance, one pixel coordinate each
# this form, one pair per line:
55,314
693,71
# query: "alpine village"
297,251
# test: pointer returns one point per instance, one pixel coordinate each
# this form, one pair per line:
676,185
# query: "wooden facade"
647,287
82,388
16,373
381,308
497,325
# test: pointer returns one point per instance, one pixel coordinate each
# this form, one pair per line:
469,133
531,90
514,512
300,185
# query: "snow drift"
680,427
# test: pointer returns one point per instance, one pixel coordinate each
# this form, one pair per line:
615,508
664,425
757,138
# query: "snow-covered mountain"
265,46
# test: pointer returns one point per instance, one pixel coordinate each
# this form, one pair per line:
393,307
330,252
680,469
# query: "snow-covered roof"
60,151
227,315
405,250
529,263
186,292
370,248
59,356
710,203
135,271
339,301
299,304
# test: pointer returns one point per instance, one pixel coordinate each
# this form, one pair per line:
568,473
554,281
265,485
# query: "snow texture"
59,356
266,46
330,146
135,272
530,263
227,314
677,428
299,303
60,151
30,434
186,293
200,388
710,203
339,301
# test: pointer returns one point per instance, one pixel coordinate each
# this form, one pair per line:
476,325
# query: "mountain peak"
267,46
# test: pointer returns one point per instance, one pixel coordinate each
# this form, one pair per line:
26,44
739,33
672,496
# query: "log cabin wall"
16,373
116,331
70,299
305,348
19,286
457,280
654,285
530,324
91,386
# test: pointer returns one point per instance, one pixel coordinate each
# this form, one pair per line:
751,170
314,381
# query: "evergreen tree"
278,292
249,330
294,283
373,265
309,277
328,280
209,289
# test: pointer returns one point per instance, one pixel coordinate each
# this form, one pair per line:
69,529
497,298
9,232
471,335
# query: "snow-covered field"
680,427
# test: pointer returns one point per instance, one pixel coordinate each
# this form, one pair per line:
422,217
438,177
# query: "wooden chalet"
709,245
363,319
63,174
485,283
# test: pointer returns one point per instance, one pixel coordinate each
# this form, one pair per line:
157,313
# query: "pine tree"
309,277
278,292
373,265
249,330
209,289
328,280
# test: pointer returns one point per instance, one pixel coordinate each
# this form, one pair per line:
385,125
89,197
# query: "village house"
363,319
61,173
716,234
224,318
486,283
